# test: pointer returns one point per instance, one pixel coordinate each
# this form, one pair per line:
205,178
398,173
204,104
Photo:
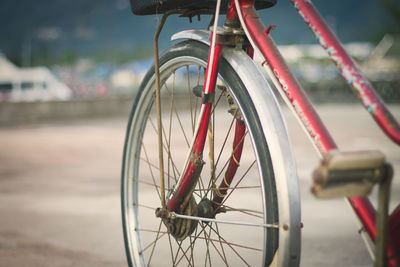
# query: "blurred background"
94,50
69,71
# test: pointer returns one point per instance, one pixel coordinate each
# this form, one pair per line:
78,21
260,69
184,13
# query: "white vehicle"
30,84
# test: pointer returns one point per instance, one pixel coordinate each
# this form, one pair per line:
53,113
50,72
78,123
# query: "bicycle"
195,205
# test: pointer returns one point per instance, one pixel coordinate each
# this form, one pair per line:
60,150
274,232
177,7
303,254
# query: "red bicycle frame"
195,164
305,111
297,98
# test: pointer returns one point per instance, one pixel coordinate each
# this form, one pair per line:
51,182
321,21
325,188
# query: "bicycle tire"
137,250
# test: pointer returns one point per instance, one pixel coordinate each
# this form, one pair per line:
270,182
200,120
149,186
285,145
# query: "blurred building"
383,63
126,79
322,81
87,79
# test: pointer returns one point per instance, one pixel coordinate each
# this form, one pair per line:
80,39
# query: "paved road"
59,193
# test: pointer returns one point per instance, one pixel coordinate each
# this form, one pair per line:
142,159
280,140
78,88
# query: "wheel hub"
180,228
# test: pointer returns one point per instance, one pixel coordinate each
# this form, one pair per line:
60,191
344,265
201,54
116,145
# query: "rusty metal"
180,228
382,219
205,209
283,78
185,182
297,100
349,70
230,36
158,103
158,106
233,107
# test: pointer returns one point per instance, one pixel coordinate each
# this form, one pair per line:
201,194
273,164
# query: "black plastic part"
151,7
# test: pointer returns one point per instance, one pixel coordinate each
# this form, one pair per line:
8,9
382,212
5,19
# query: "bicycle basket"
149,7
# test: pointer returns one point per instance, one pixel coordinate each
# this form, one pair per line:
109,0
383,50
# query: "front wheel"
250,204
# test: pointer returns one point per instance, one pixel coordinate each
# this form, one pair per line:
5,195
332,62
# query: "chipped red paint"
370,100
221,191
296,96
186,185
291,87
349,70
302,106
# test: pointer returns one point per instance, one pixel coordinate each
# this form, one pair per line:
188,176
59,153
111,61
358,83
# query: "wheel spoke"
184,253
234,233
223,241
154,245
143,206
154,167
150,169
191,251
208,256
220,243
225,140
150,231
211,241
212,184
233,151
177,116
244,211
169,131
228,188
194,238
171,250
211,154
190,97
238,182
167,150
234,244
197,102
243,223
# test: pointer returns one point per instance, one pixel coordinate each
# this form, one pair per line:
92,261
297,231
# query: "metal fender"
275,132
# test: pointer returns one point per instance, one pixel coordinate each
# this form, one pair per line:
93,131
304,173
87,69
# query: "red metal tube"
238,141
349,70
366,212
295,94
301,104
188,179
394,238
293,90
370,100
231,10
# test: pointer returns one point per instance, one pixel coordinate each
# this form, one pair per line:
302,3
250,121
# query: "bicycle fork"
193,167
181,200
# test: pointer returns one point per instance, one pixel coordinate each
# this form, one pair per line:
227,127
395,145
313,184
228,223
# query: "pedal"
348,174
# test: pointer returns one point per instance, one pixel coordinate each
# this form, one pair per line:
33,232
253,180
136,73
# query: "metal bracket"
206,98
382,218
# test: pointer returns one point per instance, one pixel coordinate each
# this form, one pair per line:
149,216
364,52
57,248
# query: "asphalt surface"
59,192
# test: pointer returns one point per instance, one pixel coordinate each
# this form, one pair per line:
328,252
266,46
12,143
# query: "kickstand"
382,218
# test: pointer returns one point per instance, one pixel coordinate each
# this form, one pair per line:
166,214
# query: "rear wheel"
250,198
